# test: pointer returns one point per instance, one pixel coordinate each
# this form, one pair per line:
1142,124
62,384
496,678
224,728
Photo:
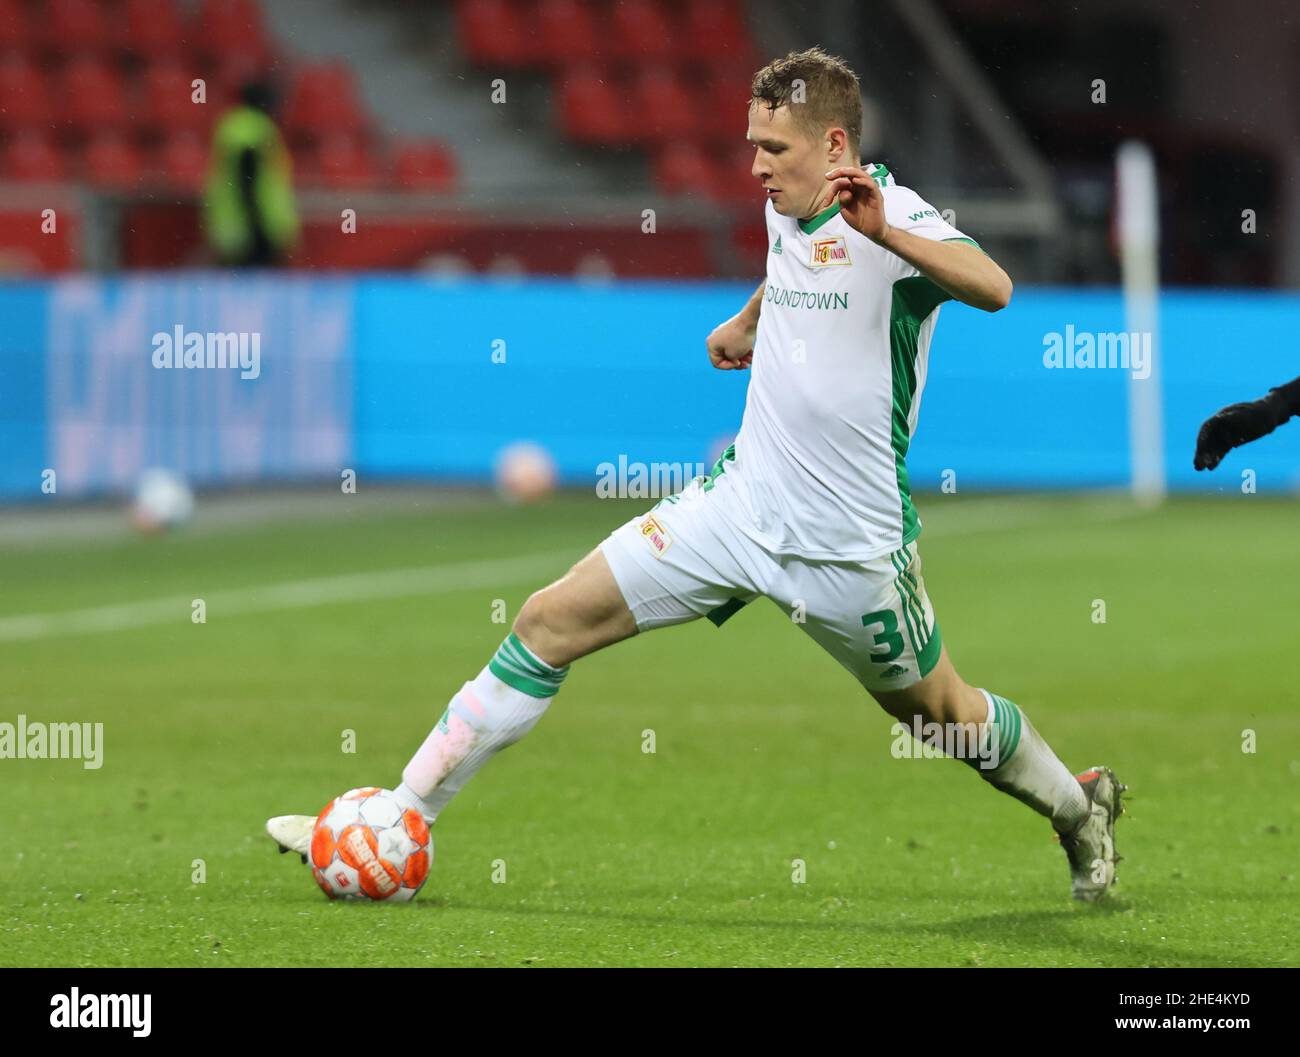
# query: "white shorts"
685,558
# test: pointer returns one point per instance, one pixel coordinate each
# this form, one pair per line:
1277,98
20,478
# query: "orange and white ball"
162,500
525,473
367,845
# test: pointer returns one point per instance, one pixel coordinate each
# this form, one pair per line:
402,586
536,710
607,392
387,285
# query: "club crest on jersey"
826,252
655,535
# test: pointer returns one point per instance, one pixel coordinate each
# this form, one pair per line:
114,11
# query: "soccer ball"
366,845
162,500
525,473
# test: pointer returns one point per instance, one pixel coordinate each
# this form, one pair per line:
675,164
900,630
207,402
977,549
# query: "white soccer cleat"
1091,847
292,833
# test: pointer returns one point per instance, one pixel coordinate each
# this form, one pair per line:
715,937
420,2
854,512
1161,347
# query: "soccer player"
810,507
1239,424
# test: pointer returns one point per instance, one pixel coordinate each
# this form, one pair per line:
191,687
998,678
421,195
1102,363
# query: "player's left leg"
1024,765
1011,755
895,651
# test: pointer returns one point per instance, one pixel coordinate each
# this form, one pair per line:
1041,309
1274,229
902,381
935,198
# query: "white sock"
1028,768
496,709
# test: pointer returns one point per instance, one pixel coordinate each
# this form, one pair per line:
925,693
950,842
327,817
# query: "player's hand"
731,345
861,203
1235,425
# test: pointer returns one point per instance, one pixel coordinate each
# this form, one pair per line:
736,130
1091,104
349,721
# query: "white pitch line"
971,518
290,594
1001,515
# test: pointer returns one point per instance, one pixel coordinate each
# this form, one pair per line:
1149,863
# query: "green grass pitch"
766,751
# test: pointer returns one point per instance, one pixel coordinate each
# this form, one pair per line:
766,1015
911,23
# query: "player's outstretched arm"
1239,424
731,344
966,272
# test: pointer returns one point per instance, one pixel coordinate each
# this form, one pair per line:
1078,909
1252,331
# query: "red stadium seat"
183,162
683,168
714,28
642,31
91,97
727,86
323,100
111,162
306,164
24,95
71,27
151,27
592,109
735,183
568,32
425,166
229,27
166,93
14,29
665,108
32,157
495,33
227,74
343,163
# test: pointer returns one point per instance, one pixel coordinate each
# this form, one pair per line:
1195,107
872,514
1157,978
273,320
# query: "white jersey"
839,365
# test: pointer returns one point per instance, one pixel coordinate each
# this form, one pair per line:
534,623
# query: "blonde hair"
831,96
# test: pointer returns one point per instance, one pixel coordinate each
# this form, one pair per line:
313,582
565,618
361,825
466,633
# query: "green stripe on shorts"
927,644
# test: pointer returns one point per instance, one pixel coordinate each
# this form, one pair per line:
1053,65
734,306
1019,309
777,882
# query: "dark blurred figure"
249,210
1239,424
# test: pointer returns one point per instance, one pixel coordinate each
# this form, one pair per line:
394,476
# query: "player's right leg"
674,564
578,614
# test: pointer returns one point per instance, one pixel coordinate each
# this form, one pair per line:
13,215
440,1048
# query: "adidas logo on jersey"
776,246
893,671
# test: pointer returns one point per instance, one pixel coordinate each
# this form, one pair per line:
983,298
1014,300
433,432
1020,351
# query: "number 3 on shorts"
887,637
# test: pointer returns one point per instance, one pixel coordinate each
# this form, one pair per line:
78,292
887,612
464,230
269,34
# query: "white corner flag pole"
1139,237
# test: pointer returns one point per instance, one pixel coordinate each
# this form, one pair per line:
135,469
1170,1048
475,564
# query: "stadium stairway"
412,80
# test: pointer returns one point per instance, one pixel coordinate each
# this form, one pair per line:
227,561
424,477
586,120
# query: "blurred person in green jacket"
249,210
